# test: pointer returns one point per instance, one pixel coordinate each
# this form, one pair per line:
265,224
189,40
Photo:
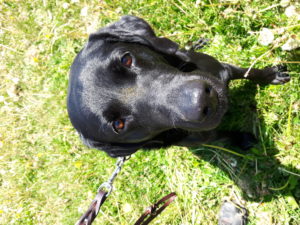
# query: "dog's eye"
118,125
126,60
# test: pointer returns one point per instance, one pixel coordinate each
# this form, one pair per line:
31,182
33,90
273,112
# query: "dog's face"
127,87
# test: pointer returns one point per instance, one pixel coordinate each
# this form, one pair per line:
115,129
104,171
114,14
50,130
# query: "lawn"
47,176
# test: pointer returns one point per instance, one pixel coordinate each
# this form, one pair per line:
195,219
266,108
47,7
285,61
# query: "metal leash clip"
109,183
103,192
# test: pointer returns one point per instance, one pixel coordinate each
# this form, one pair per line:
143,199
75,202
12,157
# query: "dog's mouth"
214,118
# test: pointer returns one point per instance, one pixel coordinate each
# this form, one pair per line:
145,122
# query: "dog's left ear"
135,30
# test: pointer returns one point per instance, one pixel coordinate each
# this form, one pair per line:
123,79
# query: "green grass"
47,176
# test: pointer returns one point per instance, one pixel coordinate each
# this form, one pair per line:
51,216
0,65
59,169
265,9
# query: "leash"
154,210
89,216
105,190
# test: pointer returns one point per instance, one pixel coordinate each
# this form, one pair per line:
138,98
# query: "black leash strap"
89,216
151,212
154,210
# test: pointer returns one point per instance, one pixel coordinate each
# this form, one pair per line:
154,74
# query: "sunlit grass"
48,177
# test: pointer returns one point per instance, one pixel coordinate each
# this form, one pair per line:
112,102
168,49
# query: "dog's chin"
212,121
207,124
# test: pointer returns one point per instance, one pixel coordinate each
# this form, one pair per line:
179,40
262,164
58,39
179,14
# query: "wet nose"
196,100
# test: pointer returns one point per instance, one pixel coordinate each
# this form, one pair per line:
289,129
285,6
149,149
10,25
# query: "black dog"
130,89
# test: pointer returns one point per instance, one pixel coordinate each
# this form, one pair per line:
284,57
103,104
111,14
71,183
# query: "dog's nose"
196,100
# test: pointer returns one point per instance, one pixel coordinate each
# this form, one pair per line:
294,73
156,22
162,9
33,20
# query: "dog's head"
127,87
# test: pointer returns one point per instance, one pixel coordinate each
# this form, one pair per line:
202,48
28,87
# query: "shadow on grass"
257,172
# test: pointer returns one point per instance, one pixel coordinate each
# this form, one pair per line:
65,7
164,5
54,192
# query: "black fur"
168,96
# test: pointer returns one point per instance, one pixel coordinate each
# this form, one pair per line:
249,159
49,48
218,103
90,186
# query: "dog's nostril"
207,90
205,111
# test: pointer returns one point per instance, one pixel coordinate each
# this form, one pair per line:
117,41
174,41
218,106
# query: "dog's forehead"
98,89
95,97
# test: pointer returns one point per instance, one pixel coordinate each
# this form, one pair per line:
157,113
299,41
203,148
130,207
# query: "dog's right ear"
134,30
